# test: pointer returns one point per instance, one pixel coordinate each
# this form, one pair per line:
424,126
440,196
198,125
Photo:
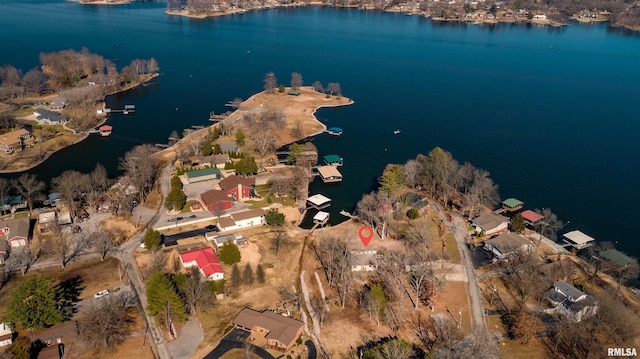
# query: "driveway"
189,338
236,339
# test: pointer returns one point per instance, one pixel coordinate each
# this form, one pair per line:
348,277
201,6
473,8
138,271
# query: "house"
206,260
214,160
329,174
46,220
571,302
46,117
4,250
229,148
238,187
219,241
16,231
577,240
58,103
14,141
12,203
55,199
6,335
125,186
216,200
512,204
490,223
246,219
507,245
532,218
619,260
204,174
281,332
364,261
64,217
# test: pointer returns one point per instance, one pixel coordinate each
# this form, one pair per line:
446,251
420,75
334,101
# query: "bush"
413,213
274,218
152,239
229,253
281,88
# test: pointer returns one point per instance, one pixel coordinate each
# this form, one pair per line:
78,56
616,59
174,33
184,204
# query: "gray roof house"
46,117
571,302
507,245
366,260
491,223
228,147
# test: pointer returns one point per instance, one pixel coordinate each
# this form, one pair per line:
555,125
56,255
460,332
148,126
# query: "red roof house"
216,200
531,218
205,259
238,187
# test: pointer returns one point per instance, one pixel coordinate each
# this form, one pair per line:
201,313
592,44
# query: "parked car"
101,293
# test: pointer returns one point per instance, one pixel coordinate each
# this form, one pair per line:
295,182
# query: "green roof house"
618,258
205,174
512,204
333,160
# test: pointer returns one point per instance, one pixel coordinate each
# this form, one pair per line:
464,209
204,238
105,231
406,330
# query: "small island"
56,105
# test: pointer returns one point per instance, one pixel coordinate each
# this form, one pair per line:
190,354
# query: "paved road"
236,339
460,232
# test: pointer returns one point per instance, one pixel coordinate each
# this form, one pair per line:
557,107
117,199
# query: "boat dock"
329,174
127,110
334,131
318,201
347,214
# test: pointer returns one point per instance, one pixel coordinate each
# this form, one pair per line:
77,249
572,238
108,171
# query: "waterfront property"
14,141
532,218
491,223
126,186
206,261
571,302
334,131
318,201
105,130
507,245
204,174
280,332
13,203
46,117
321,218
617,259
577,240
512,204
366,261
329,174
333,160
239,220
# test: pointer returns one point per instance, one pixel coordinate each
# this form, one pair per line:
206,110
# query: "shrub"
413,213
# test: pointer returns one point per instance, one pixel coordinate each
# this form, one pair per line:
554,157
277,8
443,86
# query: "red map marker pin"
365,233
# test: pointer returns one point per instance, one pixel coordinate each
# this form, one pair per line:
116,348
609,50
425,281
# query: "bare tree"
412,171
334,88
270,82
23,258
69,184
235,103
139,165
483,191
107,323
67,246
376,208
30,188
296,80
279,240
195,288
34,81
318,86
550,226
158,260
103,242
264,142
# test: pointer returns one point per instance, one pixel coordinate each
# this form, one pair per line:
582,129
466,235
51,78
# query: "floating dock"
321,218
329,174
333,160
334,131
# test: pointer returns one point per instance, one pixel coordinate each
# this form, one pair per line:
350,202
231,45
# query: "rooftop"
531,216
203,172
232,182
281,328
205,258
616,257
318,199
490,220
13,137
253,213
578,237
512,202
508,242
332,158
321,216
329,171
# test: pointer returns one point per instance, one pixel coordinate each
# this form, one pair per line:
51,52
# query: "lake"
550,112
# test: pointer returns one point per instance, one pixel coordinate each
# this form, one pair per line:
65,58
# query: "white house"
246,219
571,302
366,261
490,223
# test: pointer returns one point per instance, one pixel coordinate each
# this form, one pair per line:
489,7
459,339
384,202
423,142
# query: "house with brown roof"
491,223
216,200
126,186
281,332
14,141
16,231
238,187
507,245
239,220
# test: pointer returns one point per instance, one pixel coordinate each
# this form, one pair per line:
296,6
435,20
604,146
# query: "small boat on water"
396,132
334,131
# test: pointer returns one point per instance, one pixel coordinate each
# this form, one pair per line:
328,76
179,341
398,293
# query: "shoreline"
81,137
474,20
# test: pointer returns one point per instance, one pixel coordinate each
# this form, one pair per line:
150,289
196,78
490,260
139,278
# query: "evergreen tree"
274,218
517,223
229,253
392,178
236,278
260,275
163,301
152,239
217,149
175,200
207,148
35,303
247,275
175,182
246,166
240,138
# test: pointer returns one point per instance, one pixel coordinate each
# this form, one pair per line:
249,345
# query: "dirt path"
315,334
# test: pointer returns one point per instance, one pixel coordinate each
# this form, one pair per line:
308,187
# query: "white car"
101,293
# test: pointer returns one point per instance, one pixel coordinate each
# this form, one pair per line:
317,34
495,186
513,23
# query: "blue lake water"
550,112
